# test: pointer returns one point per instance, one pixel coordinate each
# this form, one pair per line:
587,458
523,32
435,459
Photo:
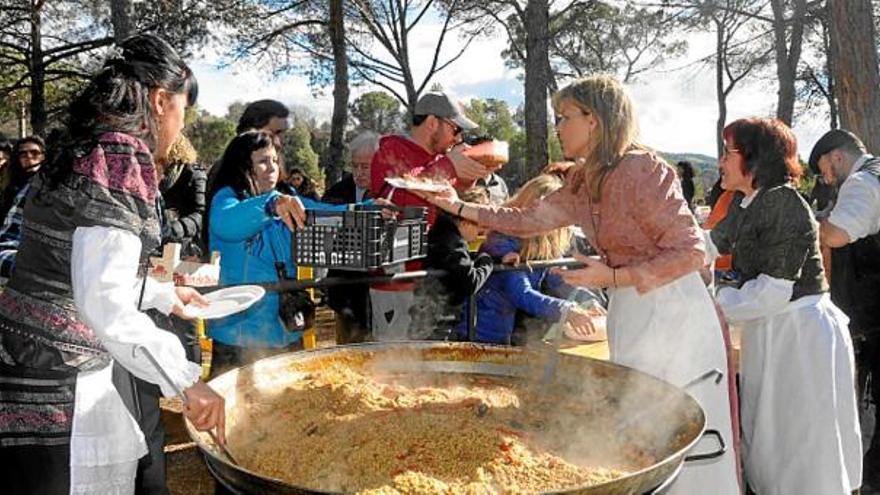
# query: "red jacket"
398,156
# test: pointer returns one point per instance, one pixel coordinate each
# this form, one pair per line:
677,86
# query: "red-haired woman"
800,426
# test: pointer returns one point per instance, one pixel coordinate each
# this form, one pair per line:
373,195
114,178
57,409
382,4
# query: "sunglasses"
30,153
456,130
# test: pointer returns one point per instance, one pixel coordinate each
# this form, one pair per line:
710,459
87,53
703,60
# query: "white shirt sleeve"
157,295
857,210
104,267
763,296
711,249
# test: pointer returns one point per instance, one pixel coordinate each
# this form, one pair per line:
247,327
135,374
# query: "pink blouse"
642,223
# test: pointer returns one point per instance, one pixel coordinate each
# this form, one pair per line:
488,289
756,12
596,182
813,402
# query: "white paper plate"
416,185
225,302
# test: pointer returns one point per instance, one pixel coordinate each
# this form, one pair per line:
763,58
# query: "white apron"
799,417
106,441
673,333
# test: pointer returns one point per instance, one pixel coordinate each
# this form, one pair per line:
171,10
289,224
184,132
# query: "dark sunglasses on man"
456,130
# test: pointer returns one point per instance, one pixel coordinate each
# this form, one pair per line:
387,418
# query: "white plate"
401,183
225,302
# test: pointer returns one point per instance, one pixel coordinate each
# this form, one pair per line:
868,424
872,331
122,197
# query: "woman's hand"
291,211
581,322
447,199
206,409
187,295
596,274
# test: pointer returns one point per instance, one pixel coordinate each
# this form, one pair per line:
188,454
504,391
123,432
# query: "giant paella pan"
423,417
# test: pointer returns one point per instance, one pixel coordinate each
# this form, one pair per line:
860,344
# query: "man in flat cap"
429,150
852,231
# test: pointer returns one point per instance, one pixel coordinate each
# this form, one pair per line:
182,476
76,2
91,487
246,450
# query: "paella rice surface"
342,429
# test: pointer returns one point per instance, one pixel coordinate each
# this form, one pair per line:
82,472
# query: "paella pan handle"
722,448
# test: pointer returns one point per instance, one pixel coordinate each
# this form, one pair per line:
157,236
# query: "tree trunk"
720,93
38,73
332,165
120,16
830,95
855,69
788,54
536,26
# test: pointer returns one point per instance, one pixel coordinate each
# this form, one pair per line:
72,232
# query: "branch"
78,47
381,84
510,35
267,38
17,48
422,13
19,84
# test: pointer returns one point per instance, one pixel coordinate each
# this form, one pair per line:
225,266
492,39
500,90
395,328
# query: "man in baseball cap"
851,232
440,105
428,151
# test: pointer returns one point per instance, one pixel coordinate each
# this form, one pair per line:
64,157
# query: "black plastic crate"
360,239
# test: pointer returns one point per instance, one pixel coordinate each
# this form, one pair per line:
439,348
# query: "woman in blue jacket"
249,223
506,292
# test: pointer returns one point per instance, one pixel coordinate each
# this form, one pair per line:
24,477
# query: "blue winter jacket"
250,240
506,292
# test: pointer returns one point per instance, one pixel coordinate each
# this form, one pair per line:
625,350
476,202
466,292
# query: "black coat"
183,203
439,306
343,192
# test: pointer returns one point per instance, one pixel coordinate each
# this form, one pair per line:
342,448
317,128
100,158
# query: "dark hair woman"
302,183
248,222
796,349
686,176
28,155
69,319
245,222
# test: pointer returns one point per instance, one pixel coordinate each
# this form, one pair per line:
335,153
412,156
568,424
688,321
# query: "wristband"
614,277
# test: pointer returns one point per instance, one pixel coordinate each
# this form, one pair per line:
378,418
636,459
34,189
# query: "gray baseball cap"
441,105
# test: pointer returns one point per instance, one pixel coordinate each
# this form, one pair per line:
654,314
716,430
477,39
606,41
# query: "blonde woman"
505,293
661,319
182,184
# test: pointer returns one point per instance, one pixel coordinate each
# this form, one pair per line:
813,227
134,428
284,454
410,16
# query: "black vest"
855,275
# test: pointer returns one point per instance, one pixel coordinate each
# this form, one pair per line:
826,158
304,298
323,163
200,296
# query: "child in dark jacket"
505,293
437,306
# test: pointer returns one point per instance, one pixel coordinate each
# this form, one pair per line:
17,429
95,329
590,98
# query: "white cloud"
677,108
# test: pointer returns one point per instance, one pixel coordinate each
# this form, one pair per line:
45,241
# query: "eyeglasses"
729,151
456,130
24,153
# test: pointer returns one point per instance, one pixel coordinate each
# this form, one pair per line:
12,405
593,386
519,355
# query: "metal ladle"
179,392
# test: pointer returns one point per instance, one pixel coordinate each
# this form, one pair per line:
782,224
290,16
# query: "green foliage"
298,152
494,118
377,111
209,135
234,111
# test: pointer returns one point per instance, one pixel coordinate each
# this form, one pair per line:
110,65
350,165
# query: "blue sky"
677,108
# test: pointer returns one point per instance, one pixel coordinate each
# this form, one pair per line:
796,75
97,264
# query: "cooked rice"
340,429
